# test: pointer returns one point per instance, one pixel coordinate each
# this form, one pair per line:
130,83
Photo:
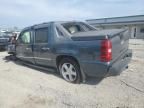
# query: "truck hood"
94,35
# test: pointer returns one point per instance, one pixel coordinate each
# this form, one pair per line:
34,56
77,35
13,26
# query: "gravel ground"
25,87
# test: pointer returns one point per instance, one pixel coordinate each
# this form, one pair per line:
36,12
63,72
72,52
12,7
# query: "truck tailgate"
120,44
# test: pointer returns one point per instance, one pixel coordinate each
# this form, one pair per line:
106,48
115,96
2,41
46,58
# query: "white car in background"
11,46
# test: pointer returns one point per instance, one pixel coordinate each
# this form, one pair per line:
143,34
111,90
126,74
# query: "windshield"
77,27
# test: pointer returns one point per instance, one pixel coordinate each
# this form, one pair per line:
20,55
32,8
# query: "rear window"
77,27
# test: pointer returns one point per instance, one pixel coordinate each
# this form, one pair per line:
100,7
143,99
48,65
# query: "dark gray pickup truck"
75,49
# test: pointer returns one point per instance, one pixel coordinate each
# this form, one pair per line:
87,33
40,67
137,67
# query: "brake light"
106,50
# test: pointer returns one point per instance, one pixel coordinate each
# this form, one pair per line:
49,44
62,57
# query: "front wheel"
70,70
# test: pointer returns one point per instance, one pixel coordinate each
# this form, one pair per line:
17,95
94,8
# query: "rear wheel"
70,70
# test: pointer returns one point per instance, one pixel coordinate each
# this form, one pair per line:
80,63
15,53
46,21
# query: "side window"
25,37
41,35
142,30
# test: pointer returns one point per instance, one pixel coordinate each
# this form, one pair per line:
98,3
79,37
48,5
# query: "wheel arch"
60,57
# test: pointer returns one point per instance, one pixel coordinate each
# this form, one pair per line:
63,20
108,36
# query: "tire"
70,70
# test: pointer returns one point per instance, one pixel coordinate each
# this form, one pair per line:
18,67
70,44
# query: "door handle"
44,48
28,48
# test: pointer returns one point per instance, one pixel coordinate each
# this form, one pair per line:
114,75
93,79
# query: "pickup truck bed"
121,55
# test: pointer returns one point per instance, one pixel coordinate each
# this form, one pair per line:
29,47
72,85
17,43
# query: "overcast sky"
23,13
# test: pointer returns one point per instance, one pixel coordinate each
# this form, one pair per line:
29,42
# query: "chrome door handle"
28,48
44,48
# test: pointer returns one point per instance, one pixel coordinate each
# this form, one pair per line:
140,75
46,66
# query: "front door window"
24,38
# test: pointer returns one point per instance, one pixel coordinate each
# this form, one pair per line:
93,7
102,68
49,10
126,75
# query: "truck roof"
47,23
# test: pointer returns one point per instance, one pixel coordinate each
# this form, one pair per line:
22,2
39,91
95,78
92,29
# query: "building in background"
135,24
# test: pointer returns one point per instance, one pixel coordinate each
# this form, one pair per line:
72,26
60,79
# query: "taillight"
106,50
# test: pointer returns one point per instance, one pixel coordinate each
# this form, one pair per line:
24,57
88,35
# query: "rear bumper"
117,67
100,69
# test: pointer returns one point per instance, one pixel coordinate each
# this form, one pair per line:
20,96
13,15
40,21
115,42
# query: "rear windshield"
77,27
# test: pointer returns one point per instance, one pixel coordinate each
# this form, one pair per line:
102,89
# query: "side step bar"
39,67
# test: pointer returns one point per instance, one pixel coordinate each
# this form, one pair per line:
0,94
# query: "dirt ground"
25,87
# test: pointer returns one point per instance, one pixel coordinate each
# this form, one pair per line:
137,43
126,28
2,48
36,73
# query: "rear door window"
41,35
